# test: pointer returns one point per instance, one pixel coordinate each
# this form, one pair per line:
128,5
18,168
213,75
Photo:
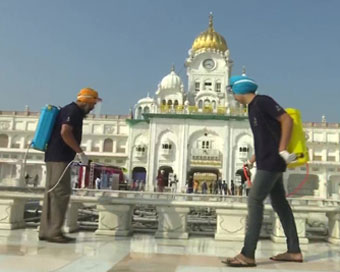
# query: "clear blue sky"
51,49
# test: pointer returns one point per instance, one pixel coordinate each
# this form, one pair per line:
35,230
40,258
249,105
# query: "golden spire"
210,39
211,23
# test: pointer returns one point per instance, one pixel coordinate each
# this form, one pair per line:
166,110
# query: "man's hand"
288,157
83,158
249,164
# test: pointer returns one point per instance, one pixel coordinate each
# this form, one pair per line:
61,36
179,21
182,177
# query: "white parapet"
278,235
12,213
231,224
172,222
334,227
114,219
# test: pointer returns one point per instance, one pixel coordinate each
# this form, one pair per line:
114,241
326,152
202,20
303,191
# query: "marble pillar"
334,227
12,213
231,224
172,222
278,235
114,220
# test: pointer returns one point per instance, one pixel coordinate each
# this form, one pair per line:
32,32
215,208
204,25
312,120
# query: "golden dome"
210,39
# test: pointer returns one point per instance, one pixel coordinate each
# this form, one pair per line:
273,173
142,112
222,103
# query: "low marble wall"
115,214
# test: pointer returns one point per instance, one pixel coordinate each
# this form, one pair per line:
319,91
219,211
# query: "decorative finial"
244,71
148,95
323,119
173,68
211,24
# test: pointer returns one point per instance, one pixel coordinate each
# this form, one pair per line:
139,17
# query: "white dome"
171,81
146,100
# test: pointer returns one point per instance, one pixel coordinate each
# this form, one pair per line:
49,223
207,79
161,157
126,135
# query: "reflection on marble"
20,250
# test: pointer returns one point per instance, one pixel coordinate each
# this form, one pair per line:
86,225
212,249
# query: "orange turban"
88,95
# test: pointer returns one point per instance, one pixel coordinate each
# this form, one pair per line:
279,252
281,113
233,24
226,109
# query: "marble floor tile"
21,251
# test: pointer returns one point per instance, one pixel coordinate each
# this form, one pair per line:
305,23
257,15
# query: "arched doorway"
108,145
203,174
139,173
167,171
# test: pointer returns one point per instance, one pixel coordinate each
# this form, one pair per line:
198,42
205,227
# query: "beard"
87,109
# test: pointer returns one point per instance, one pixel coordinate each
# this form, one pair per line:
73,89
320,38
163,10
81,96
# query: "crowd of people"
218,187
166,182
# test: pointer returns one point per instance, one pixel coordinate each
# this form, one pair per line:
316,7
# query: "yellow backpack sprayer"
297,145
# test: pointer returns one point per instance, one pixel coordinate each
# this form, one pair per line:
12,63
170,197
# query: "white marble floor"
20,250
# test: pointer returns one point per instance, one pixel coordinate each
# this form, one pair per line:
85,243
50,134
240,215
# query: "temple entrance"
202,180
139,173
167,170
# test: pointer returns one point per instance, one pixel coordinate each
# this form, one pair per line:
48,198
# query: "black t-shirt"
57,149
263,114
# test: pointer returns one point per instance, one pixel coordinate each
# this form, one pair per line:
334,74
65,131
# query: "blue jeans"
268,183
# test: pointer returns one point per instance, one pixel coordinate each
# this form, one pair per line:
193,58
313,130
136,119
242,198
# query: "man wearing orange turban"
64,144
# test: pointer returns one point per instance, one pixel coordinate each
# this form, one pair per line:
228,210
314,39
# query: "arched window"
208,85
146,109
206,145
214,104
15,143
176,103
3,140
169,102
218,87
197,86
200,104
108,145
166,145
163,102
139,113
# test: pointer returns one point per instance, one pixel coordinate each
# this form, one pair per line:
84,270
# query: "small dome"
146,100
171,81
210,39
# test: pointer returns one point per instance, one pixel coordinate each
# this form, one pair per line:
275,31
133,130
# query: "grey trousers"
268,183
56,202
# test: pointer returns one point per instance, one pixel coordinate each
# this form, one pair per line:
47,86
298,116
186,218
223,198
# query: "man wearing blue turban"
272,128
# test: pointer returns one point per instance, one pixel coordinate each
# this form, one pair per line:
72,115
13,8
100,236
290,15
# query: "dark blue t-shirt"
263,112
57,149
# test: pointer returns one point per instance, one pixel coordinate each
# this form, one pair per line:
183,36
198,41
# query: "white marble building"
199,130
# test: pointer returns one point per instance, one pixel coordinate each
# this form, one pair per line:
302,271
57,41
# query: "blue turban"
242,85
